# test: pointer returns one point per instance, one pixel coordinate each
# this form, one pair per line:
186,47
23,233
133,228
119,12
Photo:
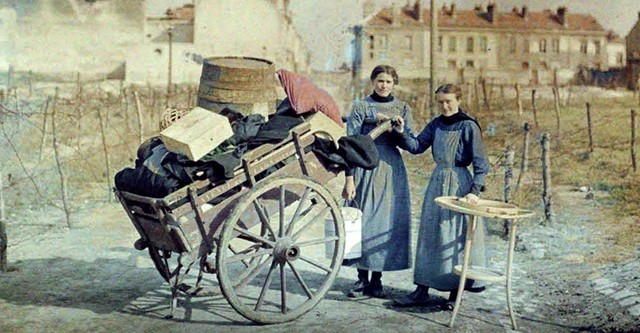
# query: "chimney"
453,10
561,15
525,11
395,19
418,12
492,15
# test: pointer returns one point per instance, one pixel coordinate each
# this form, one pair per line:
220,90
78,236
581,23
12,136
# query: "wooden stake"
486,96
533,106
546,180
556,106
589,127
633,141
139,113
477,90
45,107
106,154
63,178
525,155
518,100
4,243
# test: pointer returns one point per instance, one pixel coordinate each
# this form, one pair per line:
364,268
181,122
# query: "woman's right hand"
398,124
349,190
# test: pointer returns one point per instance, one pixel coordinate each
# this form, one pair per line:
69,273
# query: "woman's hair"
385,69
449,88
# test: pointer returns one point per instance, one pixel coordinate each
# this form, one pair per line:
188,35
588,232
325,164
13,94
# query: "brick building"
515,46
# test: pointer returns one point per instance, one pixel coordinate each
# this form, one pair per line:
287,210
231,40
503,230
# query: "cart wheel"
284,261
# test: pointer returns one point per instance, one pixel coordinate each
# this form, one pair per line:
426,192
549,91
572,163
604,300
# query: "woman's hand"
397,124
472,199
381,118
349,190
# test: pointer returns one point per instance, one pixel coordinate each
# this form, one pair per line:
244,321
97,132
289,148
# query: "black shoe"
454,293
358,289
418,297
475,289
374,289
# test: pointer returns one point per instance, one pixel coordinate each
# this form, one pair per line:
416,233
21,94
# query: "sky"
325,24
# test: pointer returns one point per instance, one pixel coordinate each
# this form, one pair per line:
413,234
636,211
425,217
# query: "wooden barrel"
243,84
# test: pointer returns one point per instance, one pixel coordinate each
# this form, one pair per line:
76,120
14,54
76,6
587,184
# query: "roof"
545,20
186,12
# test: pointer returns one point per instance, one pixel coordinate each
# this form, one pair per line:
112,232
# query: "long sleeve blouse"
470,150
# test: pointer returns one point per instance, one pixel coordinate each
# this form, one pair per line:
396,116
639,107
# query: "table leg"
471,228
512,243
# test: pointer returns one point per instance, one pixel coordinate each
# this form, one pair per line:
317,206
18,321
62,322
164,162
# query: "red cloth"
307,97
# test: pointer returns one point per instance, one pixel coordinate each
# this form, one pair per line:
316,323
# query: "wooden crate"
196,133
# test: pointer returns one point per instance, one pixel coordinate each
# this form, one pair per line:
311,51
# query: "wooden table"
490,209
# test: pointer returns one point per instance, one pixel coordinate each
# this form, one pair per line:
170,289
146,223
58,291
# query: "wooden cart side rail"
240,178
178,196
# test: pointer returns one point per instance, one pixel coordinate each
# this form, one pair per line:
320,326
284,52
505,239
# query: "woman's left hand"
471,198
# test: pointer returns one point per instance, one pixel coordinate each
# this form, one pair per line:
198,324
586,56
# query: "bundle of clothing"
159,172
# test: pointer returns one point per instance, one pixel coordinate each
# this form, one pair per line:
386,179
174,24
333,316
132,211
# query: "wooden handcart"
262,232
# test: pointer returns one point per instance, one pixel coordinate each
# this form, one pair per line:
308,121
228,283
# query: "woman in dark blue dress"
456,143
382,193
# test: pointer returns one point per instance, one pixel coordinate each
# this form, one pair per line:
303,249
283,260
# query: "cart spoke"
265,286
318,241
283,289
315,263
300,280
298,210
281,217
264,216
247,250
252,275
245,256
311,221
254,236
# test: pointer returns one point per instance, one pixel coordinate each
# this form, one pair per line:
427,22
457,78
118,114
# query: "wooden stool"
490,209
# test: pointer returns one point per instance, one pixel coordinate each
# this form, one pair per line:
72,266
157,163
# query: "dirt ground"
91,279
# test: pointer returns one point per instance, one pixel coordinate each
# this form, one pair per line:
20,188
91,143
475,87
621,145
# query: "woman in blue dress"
382,193
456,142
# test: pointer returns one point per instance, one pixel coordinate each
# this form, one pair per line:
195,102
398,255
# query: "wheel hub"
285,250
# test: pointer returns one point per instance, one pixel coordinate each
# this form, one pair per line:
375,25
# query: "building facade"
208,28
633,55
516,46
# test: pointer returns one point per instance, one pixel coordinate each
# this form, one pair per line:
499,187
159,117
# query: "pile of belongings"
159,172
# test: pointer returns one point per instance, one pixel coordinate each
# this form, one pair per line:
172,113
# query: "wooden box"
196,133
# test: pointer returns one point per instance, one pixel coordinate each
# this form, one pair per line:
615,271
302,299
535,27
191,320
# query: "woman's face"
383,84
447,103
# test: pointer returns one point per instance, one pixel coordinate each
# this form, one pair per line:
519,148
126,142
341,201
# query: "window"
439,43
452,44
451,63
542,46
512,45
484,44
555,45
596,44
526,46
371,55
382,41
525,65
469,64
620,58
408,42
583,47
470,44
372,42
